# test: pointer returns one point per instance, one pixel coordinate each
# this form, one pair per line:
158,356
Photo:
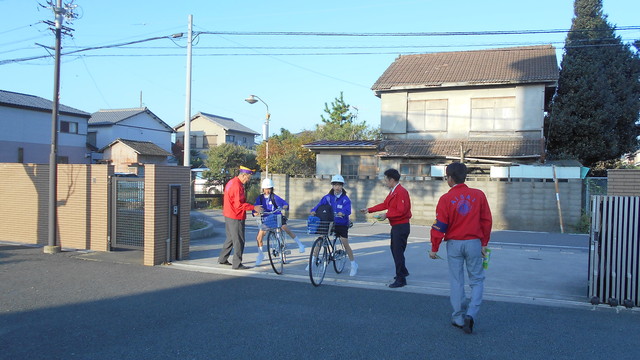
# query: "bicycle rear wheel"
274,245
339,255
318,260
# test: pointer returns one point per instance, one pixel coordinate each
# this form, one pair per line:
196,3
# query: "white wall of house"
30,131
140,127
524,109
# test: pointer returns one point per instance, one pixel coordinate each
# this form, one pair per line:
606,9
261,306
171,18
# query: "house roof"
531,64
506,149
342,144
225,123
31,102
141,147
113,116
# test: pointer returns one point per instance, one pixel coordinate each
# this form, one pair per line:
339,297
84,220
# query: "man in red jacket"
463,220
398,206
234,209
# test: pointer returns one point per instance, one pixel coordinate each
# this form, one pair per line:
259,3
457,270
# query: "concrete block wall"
623,182
521,204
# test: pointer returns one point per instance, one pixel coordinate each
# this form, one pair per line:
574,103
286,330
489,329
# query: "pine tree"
596,106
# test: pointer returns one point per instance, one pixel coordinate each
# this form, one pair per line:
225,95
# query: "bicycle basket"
271,221
317,226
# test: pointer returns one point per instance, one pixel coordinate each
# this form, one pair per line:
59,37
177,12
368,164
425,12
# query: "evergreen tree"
341,124
597,102
339,113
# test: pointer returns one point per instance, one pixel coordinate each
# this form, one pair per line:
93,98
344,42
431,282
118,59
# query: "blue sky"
228,68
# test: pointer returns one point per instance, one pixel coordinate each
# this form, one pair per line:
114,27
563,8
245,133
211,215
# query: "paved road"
64,306
527,267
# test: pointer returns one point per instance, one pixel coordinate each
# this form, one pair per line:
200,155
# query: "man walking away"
463,220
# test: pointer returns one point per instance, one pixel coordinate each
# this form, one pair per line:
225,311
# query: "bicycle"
325,250
271,223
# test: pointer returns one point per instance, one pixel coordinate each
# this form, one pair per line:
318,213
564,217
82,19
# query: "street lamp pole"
252,99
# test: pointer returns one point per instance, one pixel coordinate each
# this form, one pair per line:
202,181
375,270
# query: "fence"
615,250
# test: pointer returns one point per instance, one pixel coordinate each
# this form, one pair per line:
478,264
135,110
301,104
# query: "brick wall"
83,198
521,204
623,182
82,204
157,212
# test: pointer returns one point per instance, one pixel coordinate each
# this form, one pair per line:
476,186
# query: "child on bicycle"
270,201
341,204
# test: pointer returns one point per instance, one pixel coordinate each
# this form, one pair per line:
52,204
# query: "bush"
584,224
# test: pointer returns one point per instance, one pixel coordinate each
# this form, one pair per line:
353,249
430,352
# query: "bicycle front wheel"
318,260
274,244
339,255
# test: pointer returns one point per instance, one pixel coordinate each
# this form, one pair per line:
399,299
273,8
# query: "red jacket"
235,205
462,214
397,204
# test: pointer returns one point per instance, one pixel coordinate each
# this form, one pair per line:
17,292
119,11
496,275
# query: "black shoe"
242,267
226,262
397,284
468,324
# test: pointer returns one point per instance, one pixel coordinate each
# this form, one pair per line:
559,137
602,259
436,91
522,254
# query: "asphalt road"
63,306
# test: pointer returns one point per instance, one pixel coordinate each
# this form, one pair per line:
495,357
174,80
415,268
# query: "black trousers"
399,236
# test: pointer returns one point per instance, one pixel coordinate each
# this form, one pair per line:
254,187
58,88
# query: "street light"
252,99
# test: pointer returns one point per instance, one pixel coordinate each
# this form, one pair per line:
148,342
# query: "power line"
2,62
219,33
416,34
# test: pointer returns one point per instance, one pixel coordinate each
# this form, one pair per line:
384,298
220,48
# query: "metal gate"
127,213
614,256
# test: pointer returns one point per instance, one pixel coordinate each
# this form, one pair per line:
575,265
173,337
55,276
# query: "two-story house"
208,130
138,124
26,130
485,107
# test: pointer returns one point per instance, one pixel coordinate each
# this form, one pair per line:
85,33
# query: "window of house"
63,159
415,169
231,139
68,127
493,114
92,138
350,165
354,165
427,115
20,155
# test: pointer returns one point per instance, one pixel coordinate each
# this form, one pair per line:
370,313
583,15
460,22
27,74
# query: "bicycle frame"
276,245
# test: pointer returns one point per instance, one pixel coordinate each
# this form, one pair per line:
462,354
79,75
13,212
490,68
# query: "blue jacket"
341,204
268,204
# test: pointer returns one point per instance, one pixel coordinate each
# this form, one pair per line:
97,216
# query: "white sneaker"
354,269
301,248
259,258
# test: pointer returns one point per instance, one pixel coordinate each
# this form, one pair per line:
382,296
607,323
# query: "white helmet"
267,183
337,179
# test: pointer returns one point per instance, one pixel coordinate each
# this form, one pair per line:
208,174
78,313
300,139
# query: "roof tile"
493,66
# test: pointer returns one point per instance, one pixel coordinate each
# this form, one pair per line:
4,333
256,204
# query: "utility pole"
51,247
187,107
